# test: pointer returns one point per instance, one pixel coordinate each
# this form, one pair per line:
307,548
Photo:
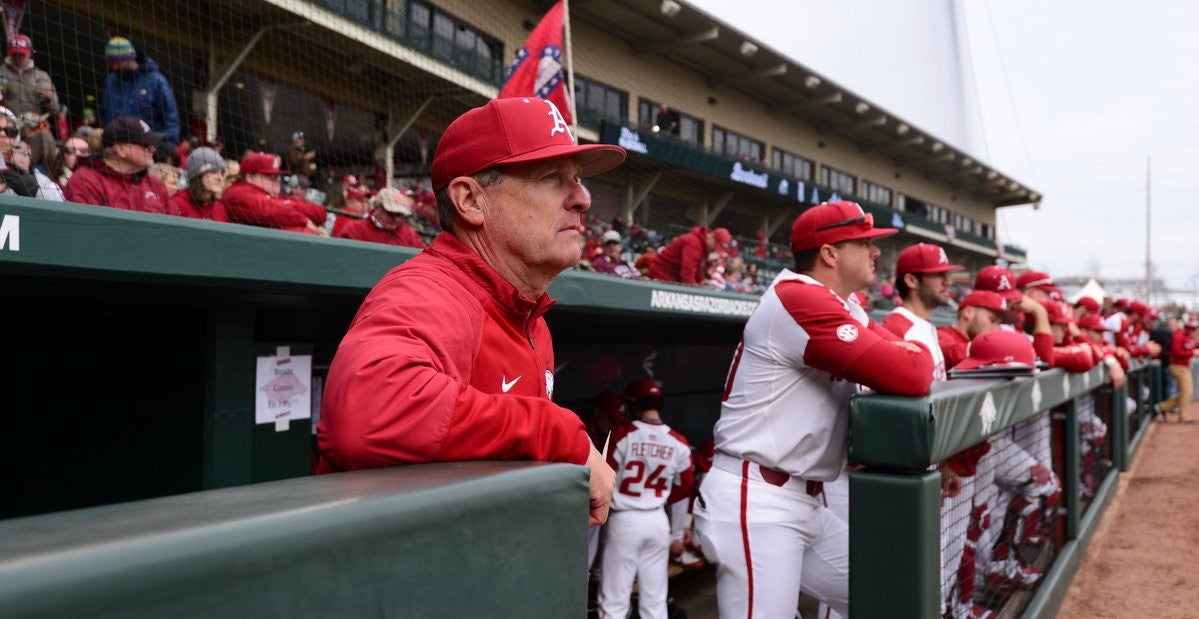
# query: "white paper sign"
281,393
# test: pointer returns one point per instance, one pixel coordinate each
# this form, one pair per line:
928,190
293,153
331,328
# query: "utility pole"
1148,202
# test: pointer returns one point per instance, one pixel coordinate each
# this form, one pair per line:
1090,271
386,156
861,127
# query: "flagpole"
570,69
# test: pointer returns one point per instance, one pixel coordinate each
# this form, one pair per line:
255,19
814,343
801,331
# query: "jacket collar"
103,168
448,246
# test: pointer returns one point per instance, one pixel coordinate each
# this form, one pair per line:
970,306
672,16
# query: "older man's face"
535,214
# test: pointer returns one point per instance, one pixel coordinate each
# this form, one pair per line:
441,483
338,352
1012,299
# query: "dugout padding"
448,540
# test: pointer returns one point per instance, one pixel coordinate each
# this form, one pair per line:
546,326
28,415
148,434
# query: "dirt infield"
1142,560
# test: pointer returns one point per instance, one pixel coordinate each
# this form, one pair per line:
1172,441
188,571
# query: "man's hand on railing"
602,481
1155,349
1115,371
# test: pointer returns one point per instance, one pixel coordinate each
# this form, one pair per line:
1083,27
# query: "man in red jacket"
685,258
1182,348
980,312
254,199
387,221
449,357
119,179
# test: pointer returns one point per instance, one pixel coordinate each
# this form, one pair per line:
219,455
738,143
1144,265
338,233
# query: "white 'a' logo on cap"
943,259
145,127
1004,283
560,125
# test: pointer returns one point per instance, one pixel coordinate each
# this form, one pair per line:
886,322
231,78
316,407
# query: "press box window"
736,145
872,192
600,99
838,181
792,164
652,117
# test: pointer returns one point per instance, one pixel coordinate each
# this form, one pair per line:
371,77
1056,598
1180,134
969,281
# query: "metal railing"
906,535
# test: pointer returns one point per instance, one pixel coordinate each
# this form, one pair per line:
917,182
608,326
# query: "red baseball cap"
998,280
723,237
260,163
611,404
1136,307
834,222
998,349
510,131
20,45
1056,315
924,258
988,300
644,388
1092,322
1035,279
1090,303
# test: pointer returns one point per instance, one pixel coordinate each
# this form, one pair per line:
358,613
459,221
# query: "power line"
1011,100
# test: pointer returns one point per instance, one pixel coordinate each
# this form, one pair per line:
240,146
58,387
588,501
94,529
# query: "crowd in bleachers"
135,155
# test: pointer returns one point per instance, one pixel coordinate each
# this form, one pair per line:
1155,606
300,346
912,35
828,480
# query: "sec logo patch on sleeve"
847,332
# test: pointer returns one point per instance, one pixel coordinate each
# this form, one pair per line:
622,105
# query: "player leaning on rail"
784,421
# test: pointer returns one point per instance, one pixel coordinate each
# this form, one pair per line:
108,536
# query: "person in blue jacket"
135,87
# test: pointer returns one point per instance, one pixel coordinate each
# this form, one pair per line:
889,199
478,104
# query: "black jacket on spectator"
22,183
1164,338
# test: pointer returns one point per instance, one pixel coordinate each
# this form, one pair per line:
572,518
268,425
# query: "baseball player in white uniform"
653,469
922,281
784,421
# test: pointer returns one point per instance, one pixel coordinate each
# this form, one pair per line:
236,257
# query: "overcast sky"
1092,88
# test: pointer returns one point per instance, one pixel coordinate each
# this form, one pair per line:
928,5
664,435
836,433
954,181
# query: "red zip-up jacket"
187,207
368,230
250,205
953,345
445,361
101,185
683,259
1182,348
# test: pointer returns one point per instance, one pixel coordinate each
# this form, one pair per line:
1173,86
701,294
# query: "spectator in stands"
301,160
388,221
232,171
646,260
185,147
254,199
426,203
685,259
29,92
27,180
169,175
298,186
205,186
74,153
611,261
94,139
88,120
120,179
136,88
449,357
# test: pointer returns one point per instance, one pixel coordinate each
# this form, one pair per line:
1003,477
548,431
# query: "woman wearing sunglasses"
74,152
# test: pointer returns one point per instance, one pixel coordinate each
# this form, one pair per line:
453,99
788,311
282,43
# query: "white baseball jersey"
786,402
1116,323
908,326
652,462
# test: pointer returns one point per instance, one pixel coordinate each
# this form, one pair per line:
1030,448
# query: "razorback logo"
847,333
560,125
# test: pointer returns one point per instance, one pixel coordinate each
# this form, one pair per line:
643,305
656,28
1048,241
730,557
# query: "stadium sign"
10,233
698,159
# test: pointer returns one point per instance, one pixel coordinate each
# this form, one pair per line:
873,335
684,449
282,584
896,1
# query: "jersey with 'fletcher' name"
652,463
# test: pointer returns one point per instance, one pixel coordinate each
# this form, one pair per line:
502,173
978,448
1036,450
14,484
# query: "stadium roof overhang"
729,58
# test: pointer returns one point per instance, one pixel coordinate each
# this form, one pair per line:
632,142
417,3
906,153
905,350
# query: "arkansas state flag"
537,69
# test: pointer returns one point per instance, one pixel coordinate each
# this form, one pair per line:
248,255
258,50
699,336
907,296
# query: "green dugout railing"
478,539
895,511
